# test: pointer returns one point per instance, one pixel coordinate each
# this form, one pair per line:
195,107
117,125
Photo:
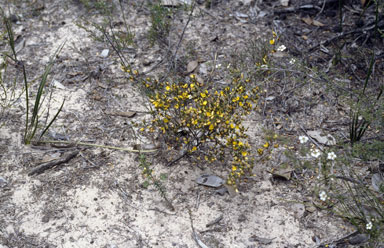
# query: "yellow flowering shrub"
203,121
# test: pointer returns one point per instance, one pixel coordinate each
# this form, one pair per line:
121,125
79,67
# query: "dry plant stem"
96,145
182,35
194,234
305,131
45,166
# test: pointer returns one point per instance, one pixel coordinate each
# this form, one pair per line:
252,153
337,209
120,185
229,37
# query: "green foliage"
161,18
151,179
369,150
101,6
32,124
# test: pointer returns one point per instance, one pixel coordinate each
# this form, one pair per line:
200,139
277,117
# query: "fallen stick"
45,166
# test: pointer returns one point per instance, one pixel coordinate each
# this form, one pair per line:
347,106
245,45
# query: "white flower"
369,226
292,61
315,153
303,139
264,66
331,156
281,48
323,196
218,66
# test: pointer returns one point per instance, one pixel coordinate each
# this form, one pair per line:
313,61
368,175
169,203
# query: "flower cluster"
198,119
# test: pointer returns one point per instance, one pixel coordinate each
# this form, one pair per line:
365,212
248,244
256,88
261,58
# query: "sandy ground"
97,199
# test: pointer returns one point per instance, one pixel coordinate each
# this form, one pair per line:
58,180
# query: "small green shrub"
161,19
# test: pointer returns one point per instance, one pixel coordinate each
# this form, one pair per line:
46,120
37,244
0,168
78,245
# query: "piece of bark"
45,166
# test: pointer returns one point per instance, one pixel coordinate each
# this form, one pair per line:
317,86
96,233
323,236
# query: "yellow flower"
244,153
168,88
260,151
266,145
232,126
211,127
205,103
165,120
192,76
234,167
194,148
203,95
272,41
236,99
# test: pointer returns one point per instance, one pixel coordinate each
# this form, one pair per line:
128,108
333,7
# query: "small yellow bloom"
194,148
142,129
203,95
168,88
260,151
266,145
244,153
165,120
211,127
234,167
232,126
276,145
272,41
205,103
192,76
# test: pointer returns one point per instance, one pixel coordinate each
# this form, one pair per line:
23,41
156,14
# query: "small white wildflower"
315,153
218,66
281,48
331,156
369,225
292,61
323,196
264,66
303,139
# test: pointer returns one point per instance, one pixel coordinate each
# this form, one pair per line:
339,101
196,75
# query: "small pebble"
104,53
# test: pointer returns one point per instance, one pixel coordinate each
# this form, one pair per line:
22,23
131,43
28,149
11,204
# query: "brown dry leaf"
317,23
308,20
282,173
128,114
192,66
101,85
